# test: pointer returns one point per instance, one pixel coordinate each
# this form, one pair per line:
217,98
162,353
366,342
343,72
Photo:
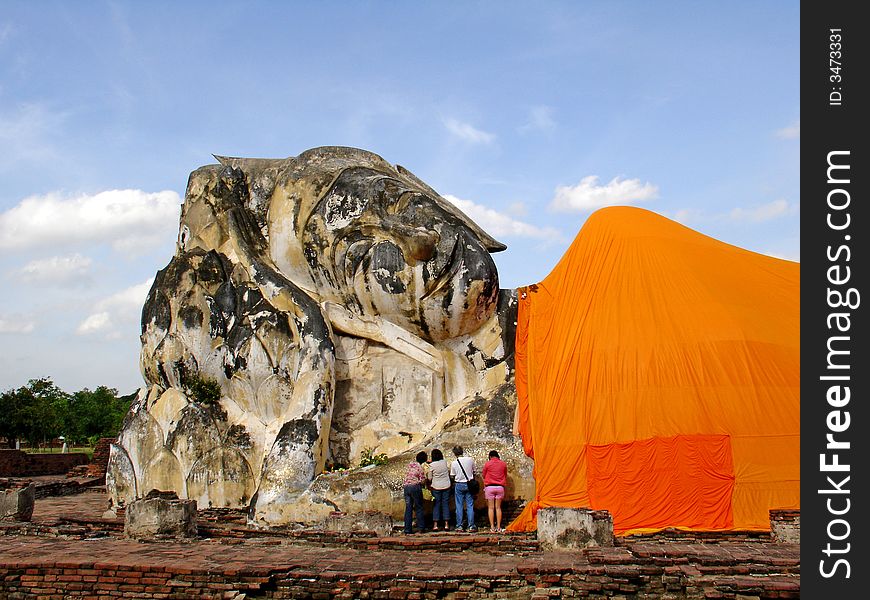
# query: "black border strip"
834,230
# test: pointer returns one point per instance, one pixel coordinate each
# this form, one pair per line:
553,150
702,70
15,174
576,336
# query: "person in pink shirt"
415,478
494,481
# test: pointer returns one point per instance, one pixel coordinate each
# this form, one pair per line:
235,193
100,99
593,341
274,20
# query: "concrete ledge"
574,528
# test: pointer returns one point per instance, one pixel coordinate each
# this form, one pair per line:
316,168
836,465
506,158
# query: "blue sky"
528,115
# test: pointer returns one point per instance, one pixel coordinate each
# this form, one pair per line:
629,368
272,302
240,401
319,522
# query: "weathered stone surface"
477,424
316,306
574,528
160,517
364,521
16,504
785,526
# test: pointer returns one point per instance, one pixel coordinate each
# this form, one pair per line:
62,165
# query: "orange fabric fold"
652,344
685,481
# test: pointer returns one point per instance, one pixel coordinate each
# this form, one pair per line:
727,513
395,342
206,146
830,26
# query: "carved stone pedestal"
160,518
16,504
574,528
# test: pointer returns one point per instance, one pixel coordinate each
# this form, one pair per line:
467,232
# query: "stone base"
374,521
160,518
574,528
16,504
785,526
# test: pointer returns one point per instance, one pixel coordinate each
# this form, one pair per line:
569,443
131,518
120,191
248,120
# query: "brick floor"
212,555
96,561
91,503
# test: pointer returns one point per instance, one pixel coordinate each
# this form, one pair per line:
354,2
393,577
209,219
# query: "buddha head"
350,228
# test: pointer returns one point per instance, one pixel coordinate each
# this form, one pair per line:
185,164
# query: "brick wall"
35,569
17,463
106,581
12,462
100,459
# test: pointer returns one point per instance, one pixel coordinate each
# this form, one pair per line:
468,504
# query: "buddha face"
380,243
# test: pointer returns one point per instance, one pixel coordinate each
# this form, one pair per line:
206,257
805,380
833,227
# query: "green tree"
11,417
94,414
34,412
85,413
44,421
41,411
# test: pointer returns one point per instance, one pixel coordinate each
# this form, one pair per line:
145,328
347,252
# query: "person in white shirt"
439,476
462,470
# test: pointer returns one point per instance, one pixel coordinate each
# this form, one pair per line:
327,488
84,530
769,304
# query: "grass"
71,450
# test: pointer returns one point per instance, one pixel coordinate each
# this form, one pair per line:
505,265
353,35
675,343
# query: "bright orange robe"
658,375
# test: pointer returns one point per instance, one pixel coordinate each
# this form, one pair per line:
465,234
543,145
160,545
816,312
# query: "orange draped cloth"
658,375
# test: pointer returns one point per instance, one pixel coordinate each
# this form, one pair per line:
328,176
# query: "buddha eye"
355,256
402,202
408,200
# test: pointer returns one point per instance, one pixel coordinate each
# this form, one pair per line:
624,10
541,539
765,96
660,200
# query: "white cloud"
124,307
764,212
56,269
16,324
28,132
132,297
5,32
791,132
589,195
687,215
95,323
517,209
756,214
498,224
131,221
467,132
540,119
